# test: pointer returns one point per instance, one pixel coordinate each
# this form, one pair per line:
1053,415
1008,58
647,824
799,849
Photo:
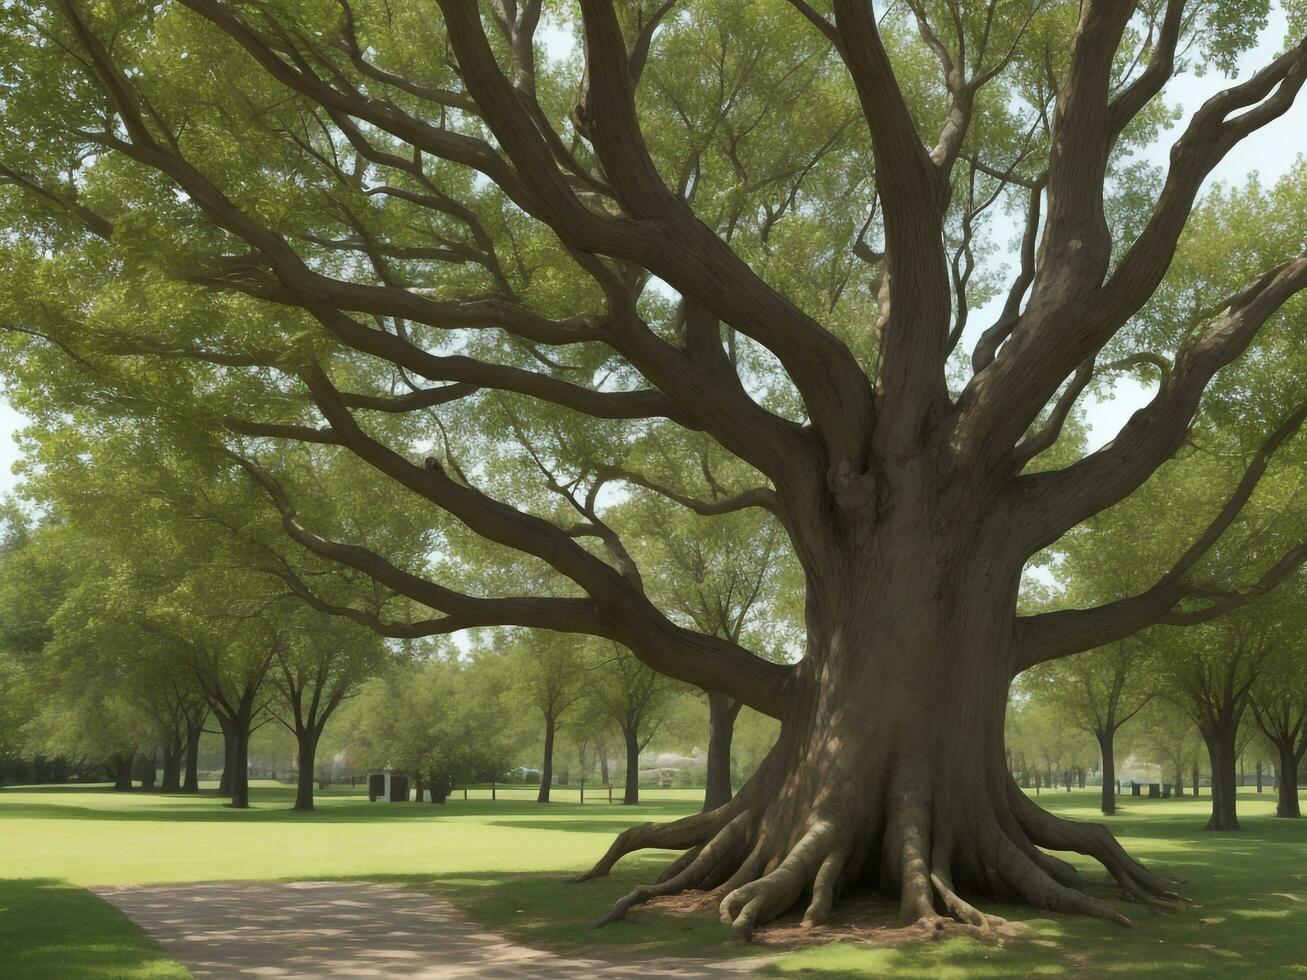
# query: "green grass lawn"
502,860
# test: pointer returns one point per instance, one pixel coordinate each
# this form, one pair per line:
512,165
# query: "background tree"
1099,691
417,717
768,235
1167,733
318,665
726,579
633,697
1278,699
549,670
1213,672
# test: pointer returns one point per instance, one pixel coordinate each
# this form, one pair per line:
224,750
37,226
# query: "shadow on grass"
49,929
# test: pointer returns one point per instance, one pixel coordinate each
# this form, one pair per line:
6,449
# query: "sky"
1270,152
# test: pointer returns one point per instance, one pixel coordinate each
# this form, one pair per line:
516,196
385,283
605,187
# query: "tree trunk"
1259,775
1107,748
172,767
722,712
440,789
191,781
1286,784
1179,780
228,758
1221,750
306,759
121,765
547,767
1197,787
632,737
240,768
149,773
885,774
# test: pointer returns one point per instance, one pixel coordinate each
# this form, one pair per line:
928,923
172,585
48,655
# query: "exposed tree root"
1096,841
743,855
688,832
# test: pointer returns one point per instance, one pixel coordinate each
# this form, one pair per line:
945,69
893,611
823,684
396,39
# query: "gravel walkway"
314,929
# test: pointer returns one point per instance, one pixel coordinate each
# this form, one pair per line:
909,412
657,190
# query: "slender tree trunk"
1197,785
632,737
547,767
191,780
228,757
1259,775
721,730
306,759
1107,747
419,789
1179,780
1286,784
603,763
240,768
1222,753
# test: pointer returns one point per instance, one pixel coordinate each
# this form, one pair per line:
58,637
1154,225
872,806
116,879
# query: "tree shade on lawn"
254,178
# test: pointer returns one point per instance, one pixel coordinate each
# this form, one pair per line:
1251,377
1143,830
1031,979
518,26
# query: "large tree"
408,231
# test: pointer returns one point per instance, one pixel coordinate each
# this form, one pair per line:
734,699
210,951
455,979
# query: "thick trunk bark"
1222,752
1286,784
632,794
1179,780
306,759
722,712
1107,748
547,767
890,773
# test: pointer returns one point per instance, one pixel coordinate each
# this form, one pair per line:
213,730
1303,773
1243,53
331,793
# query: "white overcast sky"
1270,152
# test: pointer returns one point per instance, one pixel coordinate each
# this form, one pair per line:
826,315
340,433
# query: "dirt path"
315,929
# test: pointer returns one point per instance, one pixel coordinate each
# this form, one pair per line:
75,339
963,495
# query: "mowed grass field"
502,862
